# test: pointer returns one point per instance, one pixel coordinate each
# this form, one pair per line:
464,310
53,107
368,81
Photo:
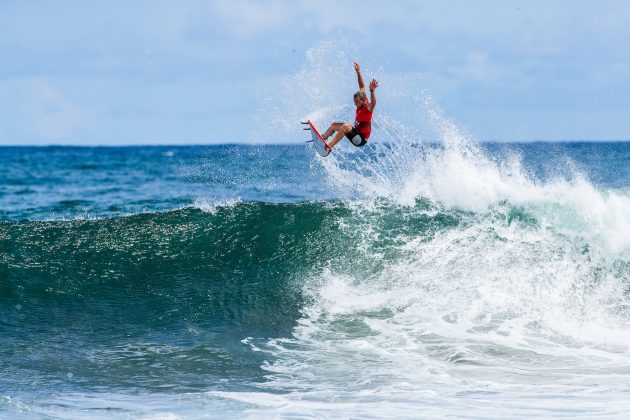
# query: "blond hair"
361,95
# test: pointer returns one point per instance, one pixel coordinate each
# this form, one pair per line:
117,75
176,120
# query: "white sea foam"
459,175
489,318
211,206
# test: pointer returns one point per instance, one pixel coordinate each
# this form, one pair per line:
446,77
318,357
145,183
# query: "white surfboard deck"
321,146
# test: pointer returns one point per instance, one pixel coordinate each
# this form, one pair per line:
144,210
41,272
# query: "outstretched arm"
357,68
373,86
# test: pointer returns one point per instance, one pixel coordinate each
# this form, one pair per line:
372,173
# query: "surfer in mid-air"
360,132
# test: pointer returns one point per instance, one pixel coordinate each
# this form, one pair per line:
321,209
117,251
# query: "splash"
314,92
430,157
515,281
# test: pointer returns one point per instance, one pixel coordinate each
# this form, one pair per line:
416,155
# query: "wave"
251,244
221,266
255,263
107,299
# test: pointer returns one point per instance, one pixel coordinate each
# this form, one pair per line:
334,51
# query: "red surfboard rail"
321,146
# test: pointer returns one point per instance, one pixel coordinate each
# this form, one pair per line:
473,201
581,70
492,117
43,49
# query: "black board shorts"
356,138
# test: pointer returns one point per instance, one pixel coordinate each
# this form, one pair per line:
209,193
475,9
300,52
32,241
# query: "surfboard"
318,141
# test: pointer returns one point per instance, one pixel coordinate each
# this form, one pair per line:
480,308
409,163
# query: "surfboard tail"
321,146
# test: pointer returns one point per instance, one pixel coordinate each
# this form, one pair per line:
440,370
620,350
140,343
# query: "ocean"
437,279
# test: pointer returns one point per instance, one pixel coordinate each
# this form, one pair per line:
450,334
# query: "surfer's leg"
333,127
345,127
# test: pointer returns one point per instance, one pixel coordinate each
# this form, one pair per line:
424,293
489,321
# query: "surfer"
360,132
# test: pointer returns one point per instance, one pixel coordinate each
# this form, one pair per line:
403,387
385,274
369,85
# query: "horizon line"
298,143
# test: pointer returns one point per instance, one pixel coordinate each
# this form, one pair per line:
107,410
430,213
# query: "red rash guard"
363,121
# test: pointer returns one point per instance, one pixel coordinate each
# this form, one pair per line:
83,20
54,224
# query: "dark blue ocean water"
242,280
47,183
68,182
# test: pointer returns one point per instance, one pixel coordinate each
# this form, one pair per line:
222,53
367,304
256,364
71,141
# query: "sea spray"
514,289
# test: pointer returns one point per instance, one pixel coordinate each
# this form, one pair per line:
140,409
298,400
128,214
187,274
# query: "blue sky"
164,72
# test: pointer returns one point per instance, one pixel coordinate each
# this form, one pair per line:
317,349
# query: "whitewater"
425,275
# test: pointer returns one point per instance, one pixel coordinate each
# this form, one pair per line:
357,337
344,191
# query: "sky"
207,72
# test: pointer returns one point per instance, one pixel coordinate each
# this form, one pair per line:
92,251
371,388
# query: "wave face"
315,307
141,296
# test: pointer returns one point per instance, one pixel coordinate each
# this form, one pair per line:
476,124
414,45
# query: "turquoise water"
403,279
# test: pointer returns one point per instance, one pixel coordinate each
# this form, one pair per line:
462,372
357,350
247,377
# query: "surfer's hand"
373,84
357,67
